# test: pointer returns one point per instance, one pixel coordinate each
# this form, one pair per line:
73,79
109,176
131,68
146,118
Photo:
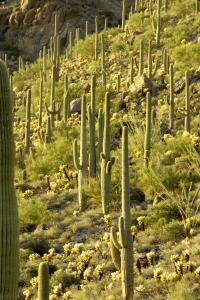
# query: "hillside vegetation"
140,80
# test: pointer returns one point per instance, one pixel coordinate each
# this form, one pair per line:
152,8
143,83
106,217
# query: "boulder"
75,106
141,83
137,196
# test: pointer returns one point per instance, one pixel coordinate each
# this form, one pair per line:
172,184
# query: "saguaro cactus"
141,61
171,96
103,64
187,103
92,118
96,38
43,281
147,142
123,13
40,99
125,244
8,203
81,162
107,162
158,28
100,134
151,72
28,122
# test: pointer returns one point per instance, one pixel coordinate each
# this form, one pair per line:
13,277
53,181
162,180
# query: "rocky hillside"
27,26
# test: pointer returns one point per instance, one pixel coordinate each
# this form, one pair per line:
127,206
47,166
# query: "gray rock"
140,83
75,106
137,196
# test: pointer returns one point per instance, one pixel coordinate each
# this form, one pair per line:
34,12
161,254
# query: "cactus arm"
122,237
116,257
155,69
43,281
113,238
75,156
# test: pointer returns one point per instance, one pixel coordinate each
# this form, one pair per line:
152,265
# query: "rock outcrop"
29,25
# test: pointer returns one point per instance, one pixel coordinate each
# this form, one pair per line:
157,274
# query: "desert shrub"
63,277
166,210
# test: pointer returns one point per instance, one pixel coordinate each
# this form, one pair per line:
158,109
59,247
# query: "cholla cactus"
179,267
141,222
197,273
150,257
158,274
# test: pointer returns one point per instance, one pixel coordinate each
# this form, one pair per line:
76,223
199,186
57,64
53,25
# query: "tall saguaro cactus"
125,244
43,281
123,13
92,118
171,97
80,162
8,203
158,28
28,122
107,162
141,61
96,38
147,142
187,102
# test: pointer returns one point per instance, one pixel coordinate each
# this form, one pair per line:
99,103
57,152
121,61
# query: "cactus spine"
123,13
92,118
147,143
187,102
107,162
171,97
81,162
125,244
43,281
28,123
9,249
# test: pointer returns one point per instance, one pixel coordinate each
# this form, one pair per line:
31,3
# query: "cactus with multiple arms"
9,247
81,162
125,244
43,281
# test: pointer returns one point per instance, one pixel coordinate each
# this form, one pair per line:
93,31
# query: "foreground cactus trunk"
125,244
43,281
8,203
